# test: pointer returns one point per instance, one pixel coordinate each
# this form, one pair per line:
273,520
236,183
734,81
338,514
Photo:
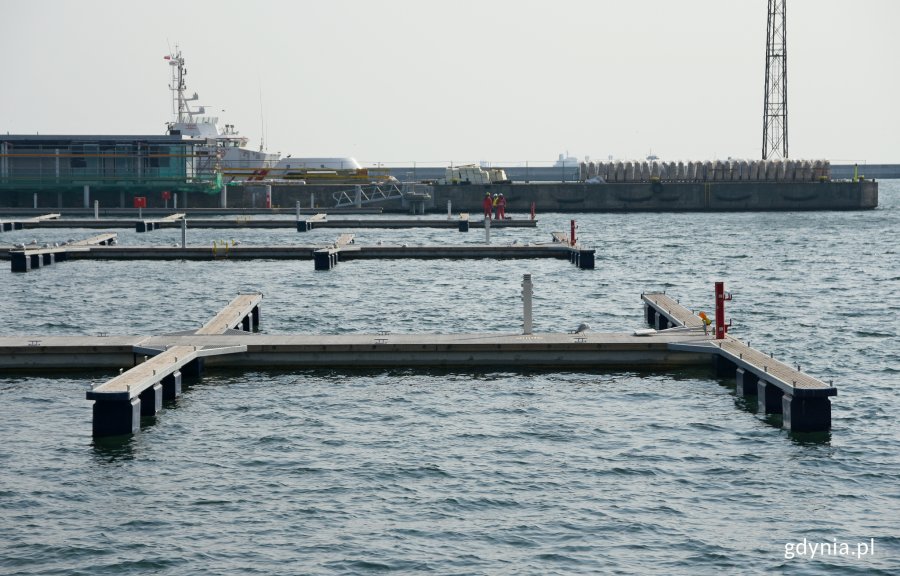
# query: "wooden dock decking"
342,250
107,239
10,225
28,258
232,315
134,382
802,399
672,310
120,402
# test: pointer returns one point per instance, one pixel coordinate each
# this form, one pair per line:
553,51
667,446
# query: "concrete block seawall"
548,197
618,197
667,197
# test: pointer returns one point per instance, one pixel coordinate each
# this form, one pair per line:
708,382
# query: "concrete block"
806,414
650,313
725,368
20,262
116,417
586,260
745,383
322,260
151,400
171,386
769,397
193,369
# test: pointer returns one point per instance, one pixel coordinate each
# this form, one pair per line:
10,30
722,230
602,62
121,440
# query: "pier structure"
28,258
120,403
228,341
324,257
10,225
148,225
779,388
319,220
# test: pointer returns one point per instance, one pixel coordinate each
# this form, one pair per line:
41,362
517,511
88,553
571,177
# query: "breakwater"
618,197
653,196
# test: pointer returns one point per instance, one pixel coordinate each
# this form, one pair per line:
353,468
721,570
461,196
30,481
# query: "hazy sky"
506,81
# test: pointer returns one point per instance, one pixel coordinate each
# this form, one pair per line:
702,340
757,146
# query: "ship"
226,150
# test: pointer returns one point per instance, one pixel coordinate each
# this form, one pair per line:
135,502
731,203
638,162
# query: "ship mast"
180,107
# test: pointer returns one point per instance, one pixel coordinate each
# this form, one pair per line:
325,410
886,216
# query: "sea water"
466,471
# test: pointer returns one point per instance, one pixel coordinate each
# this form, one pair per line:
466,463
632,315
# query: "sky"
433,82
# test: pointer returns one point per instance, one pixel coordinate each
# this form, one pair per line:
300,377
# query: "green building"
70,170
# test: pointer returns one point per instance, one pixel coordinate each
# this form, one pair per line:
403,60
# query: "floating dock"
302,225
780,389
157,363
10,225
324,257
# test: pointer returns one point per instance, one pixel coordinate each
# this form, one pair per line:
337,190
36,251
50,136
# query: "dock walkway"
802,399
302,225
23,259
10,225
325,257
120,402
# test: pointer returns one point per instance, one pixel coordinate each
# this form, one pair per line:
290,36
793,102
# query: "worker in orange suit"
488,205
501,207
706,322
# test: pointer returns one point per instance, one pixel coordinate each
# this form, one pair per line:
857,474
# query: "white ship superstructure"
226,147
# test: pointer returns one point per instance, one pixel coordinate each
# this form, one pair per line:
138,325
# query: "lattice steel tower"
775,110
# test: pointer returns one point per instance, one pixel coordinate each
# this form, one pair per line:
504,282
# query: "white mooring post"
487,230
175,201
449,210
312,201
527,293
358,199
87,196
96,209
35,200
298,209
184,231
